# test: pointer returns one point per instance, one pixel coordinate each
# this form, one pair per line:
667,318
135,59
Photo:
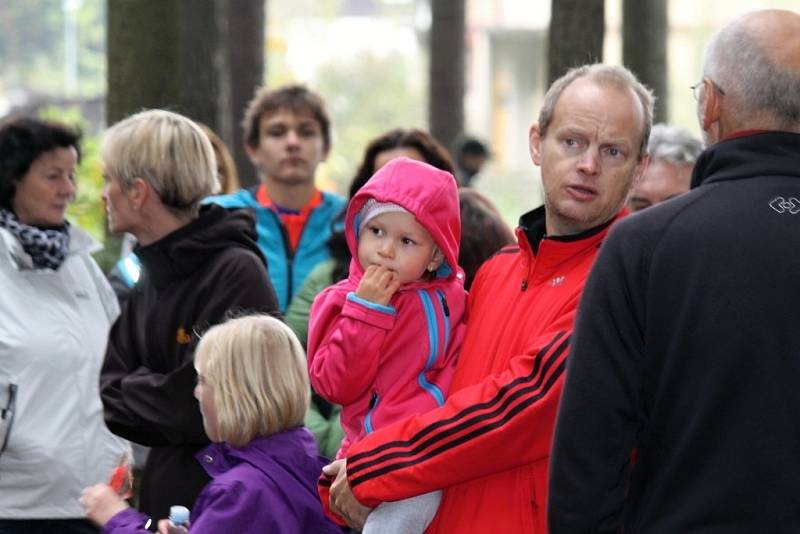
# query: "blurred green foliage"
367,95
32,46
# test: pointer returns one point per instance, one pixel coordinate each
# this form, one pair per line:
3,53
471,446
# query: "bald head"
754,62
777,33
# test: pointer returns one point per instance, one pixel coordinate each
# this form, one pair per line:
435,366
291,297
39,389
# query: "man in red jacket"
488,446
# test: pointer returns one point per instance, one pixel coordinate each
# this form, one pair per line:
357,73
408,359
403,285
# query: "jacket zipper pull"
444,306
373,400
524,285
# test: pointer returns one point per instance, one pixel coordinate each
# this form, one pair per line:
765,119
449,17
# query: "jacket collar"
79,242
760,154
180,254
218,458
532,228
550,254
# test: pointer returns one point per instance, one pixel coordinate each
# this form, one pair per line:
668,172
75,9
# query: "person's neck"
757,123
290,196
569,233
159,223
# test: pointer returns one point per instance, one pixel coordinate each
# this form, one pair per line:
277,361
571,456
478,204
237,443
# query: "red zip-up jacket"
488,446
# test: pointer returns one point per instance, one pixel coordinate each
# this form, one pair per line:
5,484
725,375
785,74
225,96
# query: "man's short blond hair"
257,369
168,151
606,75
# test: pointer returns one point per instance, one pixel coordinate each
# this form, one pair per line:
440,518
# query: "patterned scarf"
47,247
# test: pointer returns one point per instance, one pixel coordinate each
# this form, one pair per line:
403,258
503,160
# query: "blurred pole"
577,28
243,73
645,25
447,64
70,9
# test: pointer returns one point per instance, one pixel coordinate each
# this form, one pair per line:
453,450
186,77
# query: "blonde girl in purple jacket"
253,393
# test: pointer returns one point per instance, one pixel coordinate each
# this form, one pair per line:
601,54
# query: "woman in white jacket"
55,313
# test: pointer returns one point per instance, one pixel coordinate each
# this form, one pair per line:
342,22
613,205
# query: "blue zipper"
433,336
373,403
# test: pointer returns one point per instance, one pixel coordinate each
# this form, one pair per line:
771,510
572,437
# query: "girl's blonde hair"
257,369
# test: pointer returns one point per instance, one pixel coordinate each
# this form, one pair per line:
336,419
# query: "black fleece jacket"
191,280
687,351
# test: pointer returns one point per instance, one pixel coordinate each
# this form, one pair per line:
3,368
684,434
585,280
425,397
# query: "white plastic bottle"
179,517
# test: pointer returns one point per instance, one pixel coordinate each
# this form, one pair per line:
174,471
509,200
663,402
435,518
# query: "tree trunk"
244,28
163,54
644,47
201,58
576,35
447,63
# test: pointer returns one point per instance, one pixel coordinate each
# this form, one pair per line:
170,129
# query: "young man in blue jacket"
287,135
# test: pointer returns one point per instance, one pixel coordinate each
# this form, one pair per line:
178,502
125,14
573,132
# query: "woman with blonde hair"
126,272
253,392
199,265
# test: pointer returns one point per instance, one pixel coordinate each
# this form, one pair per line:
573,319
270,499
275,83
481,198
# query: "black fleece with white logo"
681,408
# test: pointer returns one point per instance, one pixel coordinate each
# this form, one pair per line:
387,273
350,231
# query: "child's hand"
121,479
101,503
378,285
165,526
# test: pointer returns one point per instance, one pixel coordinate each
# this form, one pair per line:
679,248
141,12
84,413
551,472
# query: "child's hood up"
428,193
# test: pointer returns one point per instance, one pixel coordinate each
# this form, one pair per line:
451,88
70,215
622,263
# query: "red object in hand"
121,480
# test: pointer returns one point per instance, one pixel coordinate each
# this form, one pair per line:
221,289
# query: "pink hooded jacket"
384,363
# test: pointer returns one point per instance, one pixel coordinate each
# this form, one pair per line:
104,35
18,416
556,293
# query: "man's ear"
535,140
710,112
252,154
641,167
326,152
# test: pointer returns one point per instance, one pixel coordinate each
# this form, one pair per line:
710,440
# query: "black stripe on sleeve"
462,414
559,370
495,406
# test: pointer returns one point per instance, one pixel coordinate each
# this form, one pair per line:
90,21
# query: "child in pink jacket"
383,342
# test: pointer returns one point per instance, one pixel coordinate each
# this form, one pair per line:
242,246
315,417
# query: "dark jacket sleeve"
600,412
159,408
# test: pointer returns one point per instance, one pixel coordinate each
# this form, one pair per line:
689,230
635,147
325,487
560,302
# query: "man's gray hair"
738,65
610,75
673,144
